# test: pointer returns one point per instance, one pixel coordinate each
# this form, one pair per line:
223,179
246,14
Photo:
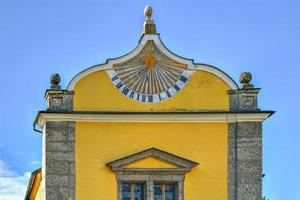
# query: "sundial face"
150,77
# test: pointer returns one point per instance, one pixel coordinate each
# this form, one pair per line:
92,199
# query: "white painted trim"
219,73
189,62
157,118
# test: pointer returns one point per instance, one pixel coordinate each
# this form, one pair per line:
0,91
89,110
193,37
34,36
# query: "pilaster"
244,146
58,165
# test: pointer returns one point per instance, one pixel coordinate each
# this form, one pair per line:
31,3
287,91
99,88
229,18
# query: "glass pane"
170,191
139,192
158,192
126,191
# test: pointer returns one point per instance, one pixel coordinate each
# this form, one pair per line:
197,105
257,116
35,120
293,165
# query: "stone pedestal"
244,99
59,100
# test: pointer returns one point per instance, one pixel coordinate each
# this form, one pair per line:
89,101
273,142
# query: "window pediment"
151,162
157,161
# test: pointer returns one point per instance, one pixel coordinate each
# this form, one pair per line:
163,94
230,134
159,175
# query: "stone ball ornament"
148,12
245,79
55,80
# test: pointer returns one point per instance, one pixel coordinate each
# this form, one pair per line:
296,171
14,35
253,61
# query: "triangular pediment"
152,159
151,162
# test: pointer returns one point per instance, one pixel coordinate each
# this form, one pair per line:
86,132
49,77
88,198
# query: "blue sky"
40,37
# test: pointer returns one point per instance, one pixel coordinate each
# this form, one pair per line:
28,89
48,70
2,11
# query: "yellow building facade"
150,125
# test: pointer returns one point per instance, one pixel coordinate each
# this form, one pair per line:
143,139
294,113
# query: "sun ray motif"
150,76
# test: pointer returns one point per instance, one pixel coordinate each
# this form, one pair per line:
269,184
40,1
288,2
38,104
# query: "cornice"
153,117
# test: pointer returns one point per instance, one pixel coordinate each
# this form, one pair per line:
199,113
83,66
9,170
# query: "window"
164,191
151,183
137,191
133,191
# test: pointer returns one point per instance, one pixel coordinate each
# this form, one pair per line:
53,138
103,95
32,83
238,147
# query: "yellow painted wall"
150,163
100,143
204,91
38,195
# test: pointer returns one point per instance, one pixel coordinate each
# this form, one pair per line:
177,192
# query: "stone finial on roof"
149,25
55,80
245,79
148,12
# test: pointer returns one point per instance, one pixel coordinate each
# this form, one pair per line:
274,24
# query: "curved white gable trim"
189,62
219,73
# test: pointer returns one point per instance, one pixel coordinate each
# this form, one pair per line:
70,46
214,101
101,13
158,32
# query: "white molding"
153,118
189,62
219,73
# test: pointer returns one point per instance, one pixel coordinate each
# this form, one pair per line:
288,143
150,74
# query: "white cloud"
35,162
12,185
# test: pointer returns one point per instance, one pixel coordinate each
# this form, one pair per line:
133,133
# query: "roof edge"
157,40
31,182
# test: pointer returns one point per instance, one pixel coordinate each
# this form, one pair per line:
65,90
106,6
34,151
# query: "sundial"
150,76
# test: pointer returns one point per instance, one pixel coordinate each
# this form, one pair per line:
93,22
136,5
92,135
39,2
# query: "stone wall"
59,163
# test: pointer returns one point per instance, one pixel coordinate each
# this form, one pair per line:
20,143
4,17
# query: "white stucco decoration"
191,66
